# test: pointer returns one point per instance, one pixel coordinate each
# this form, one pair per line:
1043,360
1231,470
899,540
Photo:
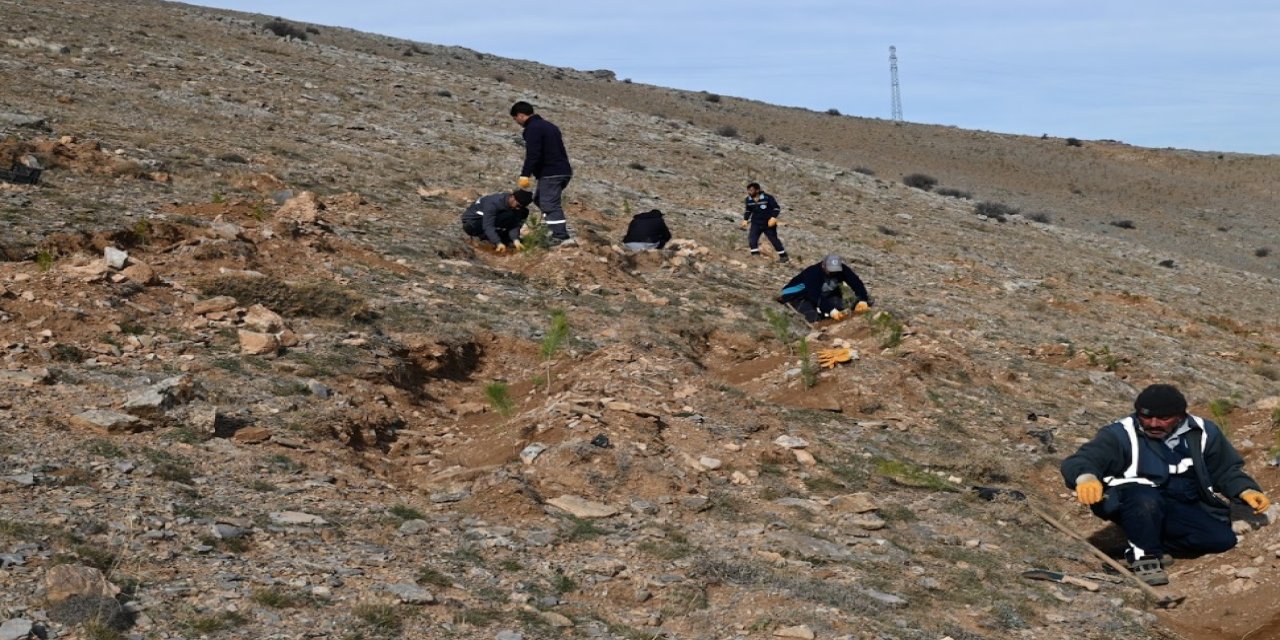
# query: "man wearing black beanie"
1157,473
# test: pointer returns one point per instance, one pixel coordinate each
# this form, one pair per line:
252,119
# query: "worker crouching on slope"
816,293
1158,474
497,218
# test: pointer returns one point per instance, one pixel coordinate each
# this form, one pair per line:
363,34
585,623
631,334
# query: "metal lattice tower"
893,75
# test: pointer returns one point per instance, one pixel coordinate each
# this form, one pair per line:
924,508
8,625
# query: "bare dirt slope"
300,404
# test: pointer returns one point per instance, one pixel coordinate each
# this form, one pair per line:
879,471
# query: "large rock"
253,343
262,319
582,508
107,421
304,208
64,581
214,304
853,503
154,400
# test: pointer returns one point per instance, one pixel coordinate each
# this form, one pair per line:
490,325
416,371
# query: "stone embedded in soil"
582,508
108,421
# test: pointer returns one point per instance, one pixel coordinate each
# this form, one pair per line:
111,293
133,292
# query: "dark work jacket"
544,153
759,210
491,218
648,227
808,285
1218,467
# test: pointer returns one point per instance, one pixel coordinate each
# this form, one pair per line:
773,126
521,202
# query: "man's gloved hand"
773,222
518,245
837,314
743,225
829,358
1088,489
524,182
1255,499
861,308
500,248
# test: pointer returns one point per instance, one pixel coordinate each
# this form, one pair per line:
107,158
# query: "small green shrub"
1262,252
405,512
44,259
833,112
555,335
384,618
780,323
1123,224
711,97
808,369
428,575
888,327
499,398
1074,142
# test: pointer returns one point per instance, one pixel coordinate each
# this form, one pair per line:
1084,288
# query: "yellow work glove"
837,314
518,245
773,222
829,358
1255,499
861,308
524,182
743,225
500,248
1088,489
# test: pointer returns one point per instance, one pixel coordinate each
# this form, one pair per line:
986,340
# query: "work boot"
784,258
562,242
1149,570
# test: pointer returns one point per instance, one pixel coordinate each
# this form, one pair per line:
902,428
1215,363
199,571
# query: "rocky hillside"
257,384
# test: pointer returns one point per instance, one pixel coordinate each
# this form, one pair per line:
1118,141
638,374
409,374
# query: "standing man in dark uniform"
761,216
545,158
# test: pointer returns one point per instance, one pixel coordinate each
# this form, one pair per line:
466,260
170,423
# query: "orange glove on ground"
829,358
1088,489
524,182
773,222
1255,499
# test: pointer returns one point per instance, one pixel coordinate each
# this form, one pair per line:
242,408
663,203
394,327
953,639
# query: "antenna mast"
893,74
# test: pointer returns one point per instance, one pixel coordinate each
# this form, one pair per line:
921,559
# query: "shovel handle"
1166,602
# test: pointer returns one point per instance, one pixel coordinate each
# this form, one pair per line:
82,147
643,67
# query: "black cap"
1160,400
523,197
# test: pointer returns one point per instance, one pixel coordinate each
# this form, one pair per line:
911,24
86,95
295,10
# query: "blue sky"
1155,73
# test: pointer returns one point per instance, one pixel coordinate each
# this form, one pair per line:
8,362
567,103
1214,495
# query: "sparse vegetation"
1123,224
780,323
995,210
727,130
1074,142
953,193
919,181
1262,252
285,30
711,97
888,327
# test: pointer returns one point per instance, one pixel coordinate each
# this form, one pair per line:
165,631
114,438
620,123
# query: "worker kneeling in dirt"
647,231
1157,473
497,218
816,294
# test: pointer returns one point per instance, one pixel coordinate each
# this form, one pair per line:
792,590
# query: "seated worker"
647,231
1156,473
497,218
815,292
